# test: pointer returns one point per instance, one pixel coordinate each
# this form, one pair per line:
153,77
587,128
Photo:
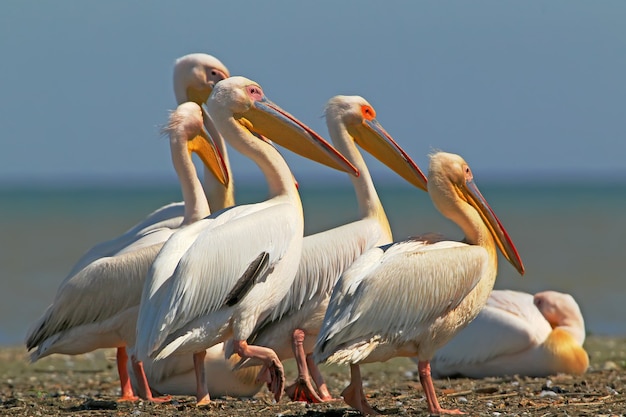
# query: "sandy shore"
87,385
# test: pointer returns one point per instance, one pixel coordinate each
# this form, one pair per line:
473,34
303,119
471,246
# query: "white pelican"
518,333
215,279
292,328
194,78
97,306
409,298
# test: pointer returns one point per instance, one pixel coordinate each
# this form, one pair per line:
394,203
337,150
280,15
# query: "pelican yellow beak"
210,156
267,119
475,198
371,136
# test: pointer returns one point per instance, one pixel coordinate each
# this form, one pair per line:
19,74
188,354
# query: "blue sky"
520,89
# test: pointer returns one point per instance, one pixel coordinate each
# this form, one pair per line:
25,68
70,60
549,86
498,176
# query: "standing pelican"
215,279
409,298
518,333
97,306
293,326
194,78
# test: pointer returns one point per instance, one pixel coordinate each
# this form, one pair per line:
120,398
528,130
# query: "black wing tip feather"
248,279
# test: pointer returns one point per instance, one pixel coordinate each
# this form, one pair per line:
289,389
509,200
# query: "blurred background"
531,94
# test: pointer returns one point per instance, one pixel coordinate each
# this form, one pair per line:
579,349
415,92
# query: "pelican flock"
216,279
97,306
205,297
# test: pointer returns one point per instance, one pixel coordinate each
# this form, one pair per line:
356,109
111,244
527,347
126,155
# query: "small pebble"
610,366
462,399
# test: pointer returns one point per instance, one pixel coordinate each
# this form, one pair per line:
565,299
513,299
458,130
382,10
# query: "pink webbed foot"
272,372
354,396
302,390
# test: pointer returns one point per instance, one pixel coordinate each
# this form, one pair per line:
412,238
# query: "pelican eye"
468,173
255,92
368,112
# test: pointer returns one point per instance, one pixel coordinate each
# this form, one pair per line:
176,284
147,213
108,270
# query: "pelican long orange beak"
267,119
371,136
474,197
210,156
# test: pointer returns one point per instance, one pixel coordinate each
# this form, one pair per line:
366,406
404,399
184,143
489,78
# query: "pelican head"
253,110
451,177
359,117
195,75
186,123
556,307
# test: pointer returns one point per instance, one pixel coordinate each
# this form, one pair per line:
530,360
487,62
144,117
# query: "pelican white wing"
79,299
201,285
169,216
370,307
325,256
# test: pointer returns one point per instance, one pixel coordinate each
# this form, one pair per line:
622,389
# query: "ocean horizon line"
599,179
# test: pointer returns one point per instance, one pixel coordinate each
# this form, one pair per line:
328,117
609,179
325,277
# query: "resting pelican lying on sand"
216,279
518,334
97,306
410,298
293,326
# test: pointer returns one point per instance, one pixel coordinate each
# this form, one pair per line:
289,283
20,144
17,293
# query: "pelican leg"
127,389
143,387
322,388
354,396
301,389
423,368
272,371
202,393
